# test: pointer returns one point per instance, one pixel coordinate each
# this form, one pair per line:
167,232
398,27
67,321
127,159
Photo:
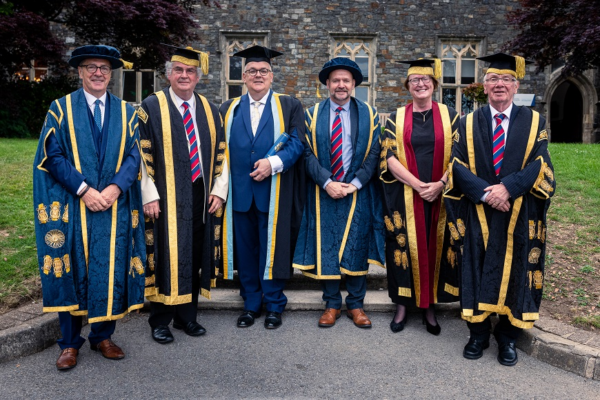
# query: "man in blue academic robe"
263,213
342,227
87,200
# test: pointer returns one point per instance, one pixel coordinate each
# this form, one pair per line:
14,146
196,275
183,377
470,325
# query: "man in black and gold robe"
499,191
183,193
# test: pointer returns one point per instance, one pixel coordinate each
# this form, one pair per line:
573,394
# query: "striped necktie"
98,114
337,164
188,122
499,142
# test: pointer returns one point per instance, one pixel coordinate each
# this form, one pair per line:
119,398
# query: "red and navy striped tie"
499,141
188,122
337,164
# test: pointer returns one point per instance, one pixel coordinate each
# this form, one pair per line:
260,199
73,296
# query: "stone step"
376,280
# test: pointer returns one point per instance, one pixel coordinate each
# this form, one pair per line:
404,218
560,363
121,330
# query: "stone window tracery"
362,51
459,69
233,67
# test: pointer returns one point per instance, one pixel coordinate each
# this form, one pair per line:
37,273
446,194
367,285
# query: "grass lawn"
19,277
571,290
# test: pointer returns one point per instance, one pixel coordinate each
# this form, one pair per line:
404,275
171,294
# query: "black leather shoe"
474,349
507,354
398,326
247,319
192,328
273,320
162,334
433,329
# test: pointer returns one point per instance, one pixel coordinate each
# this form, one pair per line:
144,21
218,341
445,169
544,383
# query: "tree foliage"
558,29
135,27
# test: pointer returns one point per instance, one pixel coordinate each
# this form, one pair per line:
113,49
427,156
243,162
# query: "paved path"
299,360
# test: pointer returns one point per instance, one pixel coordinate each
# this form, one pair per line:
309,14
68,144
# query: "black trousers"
162,314
504,331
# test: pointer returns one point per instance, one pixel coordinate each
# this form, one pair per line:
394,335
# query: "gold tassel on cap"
437,68
127,64
520,67
204,62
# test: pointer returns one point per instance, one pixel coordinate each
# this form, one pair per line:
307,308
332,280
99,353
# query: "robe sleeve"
291,152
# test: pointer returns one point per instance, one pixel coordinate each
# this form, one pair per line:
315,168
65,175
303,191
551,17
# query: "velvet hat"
96,51
341,63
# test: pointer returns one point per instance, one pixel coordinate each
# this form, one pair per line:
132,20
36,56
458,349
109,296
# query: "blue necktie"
98,115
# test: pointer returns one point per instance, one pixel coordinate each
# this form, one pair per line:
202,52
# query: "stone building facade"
375,34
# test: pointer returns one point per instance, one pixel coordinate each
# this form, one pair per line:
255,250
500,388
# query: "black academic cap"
189,56
258,53
501,63
424,66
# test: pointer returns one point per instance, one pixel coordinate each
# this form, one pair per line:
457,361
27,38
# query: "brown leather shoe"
67,359
359,317
329,317
108,349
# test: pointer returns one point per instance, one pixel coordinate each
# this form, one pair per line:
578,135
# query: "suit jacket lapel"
245,110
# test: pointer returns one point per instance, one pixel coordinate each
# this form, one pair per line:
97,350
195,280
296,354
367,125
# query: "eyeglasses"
505,80
415,81
253,72
189,71
92,68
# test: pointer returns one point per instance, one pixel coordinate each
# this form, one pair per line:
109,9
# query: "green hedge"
23,104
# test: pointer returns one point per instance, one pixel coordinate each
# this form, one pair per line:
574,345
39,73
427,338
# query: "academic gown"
282,196
502,253
170,237
418,238
343,235
91,263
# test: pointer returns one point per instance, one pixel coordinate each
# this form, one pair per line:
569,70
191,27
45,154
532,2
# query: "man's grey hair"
169,69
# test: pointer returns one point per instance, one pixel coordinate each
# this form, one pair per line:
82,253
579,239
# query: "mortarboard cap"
501,63
257,54
189,56
424,66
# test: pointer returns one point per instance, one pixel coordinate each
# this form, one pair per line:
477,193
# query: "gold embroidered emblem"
218,169
217,232
543,239
451,256
42,214
388,223
531,230
151,261
453,231
534,255
404,259
455,136
58,264
146,144
530,276
539,229
219,212
546,187
461,227
222,146
149,237
451,241
148,157
543,136
383,164
220,157
217,253
136,266
55,211
65,217
538,279
55,238
47,264
401,239
397,257
397,220
67,262
135,218
150,170
142,114
548,172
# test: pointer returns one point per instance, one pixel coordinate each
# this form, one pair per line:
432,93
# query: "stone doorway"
566,114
